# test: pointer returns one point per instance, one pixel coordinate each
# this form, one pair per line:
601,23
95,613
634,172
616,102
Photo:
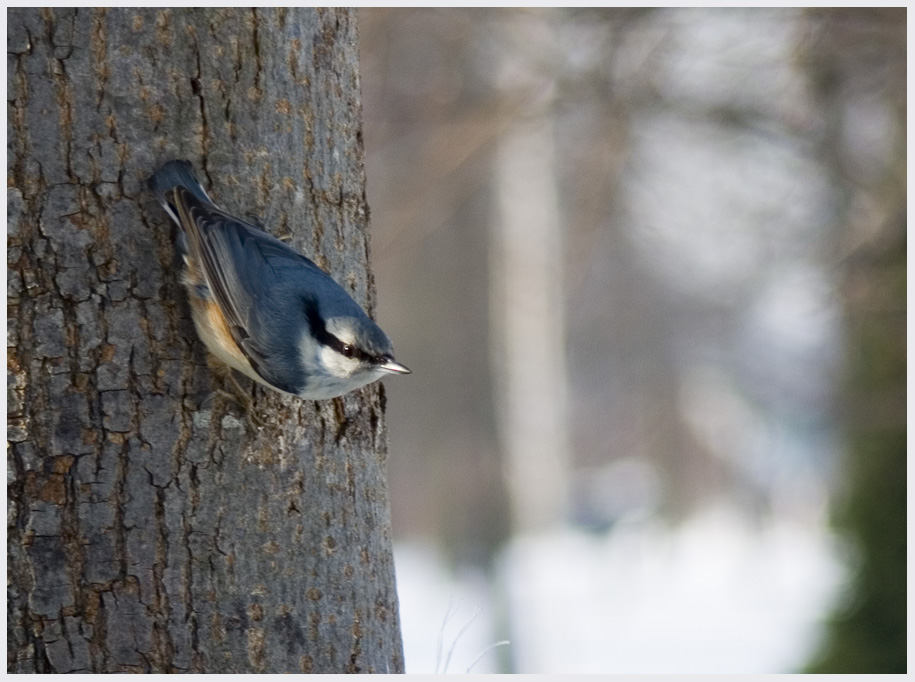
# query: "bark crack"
197,89
257,52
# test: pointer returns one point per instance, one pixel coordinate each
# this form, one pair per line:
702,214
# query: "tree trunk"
857,57
150,527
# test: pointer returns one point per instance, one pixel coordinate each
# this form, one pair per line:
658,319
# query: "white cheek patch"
336,364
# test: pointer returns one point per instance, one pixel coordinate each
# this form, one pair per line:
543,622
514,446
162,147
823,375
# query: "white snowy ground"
714,595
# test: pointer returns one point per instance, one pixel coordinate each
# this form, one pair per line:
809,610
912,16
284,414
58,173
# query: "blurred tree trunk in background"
527,308
432,174
149,528
858,58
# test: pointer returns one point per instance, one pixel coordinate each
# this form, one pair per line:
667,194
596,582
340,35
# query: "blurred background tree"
858,58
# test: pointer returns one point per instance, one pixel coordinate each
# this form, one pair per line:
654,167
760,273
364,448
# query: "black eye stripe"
354,352
325,338
347,350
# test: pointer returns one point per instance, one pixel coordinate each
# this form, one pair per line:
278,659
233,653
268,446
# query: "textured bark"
150,527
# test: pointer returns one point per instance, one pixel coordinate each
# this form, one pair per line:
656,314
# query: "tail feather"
174,174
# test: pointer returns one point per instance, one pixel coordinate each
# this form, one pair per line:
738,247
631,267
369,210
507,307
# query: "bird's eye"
349,350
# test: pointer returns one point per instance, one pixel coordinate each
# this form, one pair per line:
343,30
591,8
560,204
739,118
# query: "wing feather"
242,265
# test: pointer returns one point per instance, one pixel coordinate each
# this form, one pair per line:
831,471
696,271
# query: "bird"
264,309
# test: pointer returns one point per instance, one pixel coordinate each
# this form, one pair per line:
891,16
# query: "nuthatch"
264,309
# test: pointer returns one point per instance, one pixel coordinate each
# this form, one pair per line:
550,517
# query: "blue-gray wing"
247,270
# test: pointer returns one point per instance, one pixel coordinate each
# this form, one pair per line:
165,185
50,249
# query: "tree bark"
150,527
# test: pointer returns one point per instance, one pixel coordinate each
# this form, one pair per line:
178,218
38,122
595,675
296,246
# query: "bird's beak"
393,367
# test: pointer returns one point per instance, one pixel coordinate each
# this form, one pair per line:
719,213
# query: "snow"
715,594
